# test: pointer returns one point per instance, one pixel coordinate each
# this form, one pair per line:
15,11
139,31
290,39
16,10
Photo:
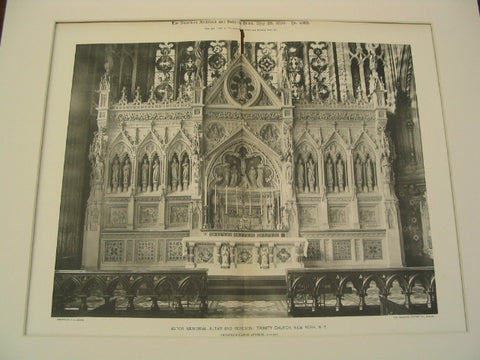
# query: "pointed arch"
365,164
335,163
307,169
246,137
380,284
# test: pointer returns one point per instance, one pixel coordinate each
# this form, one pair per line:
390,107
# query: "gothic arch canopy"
242,152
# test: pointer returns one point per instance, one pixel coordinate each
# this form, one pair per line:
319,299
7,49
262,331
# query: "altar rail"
313,292
176,293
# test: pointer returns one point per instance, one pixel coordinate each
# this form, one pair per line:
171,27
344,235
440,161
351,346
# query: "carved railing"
181,293
313,292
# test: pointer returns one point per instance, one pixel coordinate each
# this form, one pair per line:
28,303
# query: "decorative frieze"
117,216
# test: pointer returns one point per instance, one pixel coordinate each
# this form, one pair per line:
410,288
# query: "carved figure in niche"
234,176
115,174
99,170
359,174
185,174
300,175
340,174
145,174
226,175
264,257
369,173
252,176
174,172
155,173
260,176
329,173
311,175
225,253
126,174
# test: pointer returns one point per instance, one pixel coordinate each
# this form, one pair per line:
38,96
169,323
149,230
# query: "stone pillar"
190,255
91,236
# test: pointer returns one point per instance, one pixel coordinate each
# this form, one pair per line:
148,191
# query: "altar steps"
246,288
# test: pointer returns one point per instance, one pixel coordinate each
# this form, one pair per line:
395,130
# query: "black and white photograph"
225,178
254,179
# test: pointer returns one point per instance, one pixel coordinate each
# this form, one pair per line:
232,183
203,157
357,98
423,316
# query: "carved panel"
204,254
117,216
245,254
284,255
368,217
342,250
113,251
372,249
174,250
147,215
308,216
145,250
178,215
271,136
337,216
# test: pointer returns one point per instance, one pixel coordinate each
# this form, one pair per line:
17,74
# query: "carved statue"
99,168
126,174
329,170
369,173
264,257
234,176
260,176
252,176
300,175
359,174
185,174
174,172
311,175
340,174
115,174
155,173
225,252
226,175
145,167
387,172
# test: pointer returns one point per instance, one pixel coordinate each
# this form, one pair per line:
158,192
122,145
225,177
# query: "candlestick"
226,200
215,200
